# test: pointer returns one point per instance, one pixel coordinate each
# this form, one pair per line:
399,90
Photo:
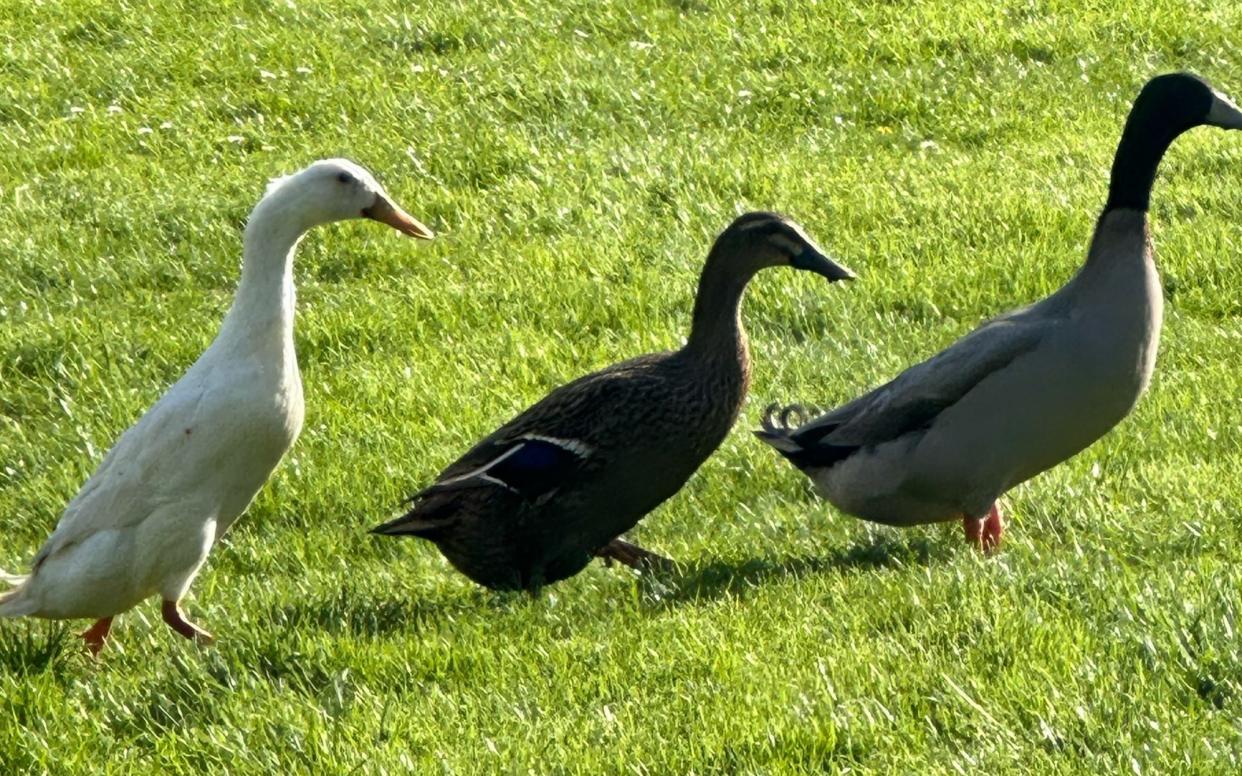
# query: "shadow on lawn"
362,615
35,647
359,614
718,579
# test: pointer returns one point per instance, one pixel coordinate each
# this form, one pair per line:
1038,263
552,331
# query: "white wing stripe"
578,448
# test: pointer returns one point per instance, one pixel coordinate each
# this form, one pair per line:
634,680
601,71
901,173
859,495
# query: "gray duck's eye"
345,177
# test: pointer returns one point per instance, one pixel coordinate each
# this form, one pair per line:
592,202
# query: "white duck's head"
336,190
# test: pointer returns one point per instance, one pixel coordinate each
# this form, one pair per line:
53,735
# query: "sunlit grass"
577,159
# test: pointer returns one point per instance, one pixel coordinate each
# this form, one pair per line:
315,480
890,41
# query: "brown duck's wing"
577,425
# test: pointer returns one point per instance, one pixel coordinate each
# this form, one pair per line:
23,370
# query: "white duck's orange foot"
985,532
96,635
177,621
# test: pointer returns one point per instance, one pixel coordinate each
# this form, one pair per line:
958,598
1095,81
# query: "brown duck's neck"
716,332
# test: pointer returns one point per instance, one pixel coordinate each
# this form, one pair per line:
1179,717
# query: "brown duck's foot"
985,532
631,555
178,622
96,635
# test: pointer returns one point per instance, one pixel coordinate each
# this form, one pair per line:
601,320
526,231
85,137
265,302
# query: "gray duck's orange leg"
985,532
96,635
631,555
177,621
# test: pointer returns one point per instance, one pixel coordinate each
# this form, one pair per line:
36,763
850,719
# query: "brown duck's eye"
345,177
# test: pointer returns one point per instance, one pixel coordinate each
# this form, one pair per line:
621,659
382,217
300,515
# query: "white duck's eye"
345,177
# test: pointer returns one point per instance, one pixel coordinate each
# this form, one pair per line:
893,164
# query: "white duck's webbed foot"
177,621
985,532
95,636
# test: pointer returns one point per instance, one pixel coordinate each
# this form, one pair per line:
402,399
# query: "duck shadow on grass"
360,615
35,647
705,581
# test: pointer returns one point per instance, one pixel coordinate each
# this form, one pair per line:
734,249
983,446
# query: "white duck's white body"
178,478
173,483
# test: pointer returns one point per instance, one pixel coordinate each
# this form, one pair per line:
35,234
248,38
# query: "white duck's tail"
12,602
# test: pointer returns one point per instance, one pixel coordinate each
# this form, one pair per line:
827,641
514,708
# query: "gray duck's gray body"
1015,397
536,500
1027,390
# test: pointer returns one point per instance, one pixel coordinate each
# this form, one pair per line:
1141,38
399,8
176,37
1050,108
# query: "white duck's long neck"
261,318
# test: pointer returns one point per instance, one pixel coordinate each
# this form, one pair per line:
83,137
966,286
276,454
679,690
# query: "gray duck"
535,501
1026,390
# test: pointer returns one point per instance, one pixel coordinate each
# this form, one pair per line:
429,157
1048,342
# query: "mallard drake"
533,502
177,479
1026,390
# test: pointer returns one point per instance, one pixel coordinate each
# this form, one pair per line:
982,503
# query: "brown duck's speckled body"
533,502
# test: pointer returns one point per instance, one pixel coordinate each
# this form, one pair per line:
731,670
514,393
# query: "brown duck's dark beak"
813,261
386,212
1224,113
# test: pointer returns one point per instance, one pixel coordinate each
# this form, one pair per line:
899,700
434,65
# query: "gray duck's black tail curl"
784,428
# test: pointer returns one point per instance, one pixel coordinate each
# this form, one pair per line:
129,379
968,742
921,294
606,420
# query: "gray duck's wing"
912,400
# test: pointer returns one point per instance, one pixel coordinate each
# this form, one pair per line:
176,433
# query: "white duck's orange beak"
387,212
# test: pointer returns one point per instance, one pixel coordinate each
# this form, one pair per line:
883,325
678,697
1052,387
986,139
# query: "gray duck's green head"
762,239
1176,102
1167,106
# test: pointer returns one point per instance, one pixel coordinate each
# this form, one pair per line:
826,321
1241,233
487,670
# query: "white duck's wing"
913,399
126,487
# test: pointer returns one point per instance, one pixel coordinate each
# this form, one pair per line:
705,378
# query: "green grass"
577,161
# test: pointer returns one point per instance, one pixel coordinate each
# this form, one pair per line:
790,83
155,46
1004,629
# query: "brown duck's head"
773,240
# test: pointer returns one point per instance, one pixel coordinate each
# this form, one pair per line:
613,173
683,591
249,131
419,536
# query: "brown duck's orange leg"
96,635
631,555
178,622
985,532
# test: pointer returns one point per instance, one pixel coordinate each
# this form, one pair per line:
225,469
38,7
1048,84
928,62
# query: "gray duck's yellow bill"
814,261
386,212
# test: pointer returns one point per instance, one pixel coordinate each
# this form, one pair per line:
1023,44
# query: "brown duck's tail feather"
426,520
408,525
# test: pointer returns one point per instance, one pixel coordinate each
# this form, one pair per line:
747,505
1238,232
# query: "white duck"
1028,389
178,478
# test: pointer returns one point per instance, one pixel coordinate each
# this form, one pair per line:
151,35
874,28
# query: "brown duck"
533,502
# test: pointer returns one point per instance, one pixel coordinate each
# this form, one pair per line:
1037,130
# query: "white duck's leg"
173,591
985,532
187,555
177,621
96,635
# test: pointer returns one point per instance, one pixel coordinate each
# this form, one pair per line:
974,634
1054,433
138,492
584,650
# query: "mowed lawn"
577,158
